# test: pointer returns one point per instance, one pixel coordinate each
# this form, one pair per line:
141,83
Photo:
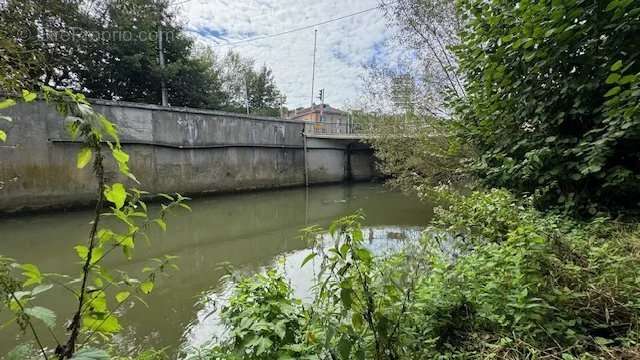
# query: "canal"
248,231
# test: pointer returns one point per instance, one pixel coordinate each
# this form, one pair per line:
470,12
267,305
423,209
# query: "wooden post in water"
306,161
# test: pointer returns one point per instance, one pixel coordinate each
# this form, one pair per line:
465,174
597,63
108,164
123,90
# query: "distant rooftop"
325,108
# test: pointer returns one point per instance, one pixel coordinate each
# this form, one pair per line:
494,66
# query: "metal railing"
356,129
334,128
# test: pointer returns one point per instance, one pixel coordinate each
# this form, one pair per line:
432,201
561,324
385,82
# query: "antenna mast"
313,74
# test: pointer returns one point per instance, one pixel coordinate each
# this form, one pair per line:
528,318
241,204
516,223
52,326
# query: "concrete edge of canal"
190,151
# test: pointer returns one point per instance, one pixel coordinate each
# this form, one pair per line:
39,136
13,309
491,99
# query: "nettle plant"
265,321
98,291
361,300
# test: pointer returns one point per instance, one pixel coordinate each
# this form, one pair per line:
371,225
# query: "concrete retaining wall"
189,151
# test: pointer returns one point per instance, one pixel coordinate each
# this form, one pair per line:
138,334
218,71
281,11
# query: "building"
319,113
328,118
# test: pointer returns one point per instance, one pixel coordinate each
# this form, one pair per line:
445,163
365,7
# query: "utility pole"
304,131
246,92
321,97
313,74
163,85
282,106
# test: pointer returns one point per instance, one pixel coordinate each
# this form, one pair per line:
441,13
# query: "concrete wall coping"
188,110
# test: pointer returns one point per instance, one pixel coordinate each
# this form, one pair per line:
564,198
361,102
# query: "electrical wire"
181,3
306,27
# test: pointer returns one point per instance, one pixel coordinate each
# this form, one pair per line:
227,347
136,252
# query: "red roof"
328,109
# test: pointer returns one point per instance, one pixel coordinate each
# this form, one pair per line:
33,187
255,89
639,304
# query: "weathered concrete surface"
363,165
189,151
334,160
326,160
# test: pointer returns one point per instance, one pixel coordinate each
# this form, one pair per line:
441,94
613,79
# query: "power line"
181,3
296,29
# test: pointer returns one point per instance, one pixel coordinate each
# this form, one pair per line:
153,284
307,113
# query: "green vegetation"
552,106
548,106
540,258
108,49
265,321
417,152
98,291
493,278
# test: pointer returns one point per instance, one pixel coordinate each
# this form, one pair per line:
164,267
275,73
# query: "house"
327,119
319,113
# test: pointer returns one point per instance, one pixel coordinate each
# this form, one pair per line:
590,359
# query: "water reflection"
247,230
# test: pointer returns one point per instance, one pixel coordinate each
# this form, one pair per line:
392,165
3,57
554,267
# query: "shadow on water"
247,230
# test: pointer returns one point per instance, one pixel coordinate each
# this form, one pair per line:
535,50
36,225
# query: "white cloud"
343,46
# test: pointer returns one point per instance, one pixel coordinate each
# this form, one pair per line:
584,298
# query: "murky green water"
248,230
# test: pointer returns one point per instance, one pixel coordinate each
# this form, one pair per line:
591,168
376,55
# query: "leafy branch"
99,137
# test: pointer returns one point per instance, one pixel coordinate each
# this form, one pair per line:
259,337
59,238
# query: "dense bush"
533,284
552,98
265,321
415,153
512,283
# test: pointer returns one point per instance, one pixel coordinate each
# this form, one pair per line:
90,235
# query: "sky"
343,46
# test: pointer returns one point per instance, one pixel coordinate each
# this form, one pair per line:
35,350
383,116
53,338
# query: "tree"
553,91
197,82
428,29
107,49
129,70
398,89
243,86
416,152
408,102
45,30
235,70
16,65
264,97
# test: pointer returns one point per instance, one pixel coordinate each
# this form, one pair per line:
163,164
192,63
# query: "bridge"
358,131
335,130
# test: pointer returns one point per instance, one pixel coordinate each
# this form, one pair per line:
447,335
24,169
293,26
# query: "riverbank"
493,278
